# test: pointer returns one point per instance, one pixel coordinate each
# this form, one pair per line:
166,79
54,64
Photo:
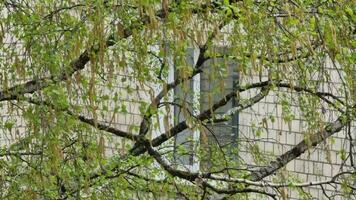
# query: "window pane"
219,78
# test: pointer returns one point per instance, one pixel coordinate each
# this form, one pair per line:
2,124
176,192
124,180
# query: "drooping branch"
321,95
283,57
238,191
78,64
207,114
300,148
242,106
280,185
200,179
32,86
86,120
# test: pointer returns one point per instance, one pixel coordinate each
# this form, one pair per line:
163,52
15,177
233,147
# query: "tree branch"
197,178
86,120
32,86
137,150
300,148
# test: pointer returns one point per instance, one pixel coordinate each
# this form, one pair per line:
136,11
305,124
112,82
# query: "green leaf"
9,125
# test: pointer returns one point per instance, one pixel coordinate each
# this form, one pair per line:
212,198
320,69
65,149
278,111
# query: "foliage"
89,88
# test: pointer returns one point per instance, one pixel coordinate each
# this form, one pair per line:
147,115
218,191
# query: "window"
219,78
